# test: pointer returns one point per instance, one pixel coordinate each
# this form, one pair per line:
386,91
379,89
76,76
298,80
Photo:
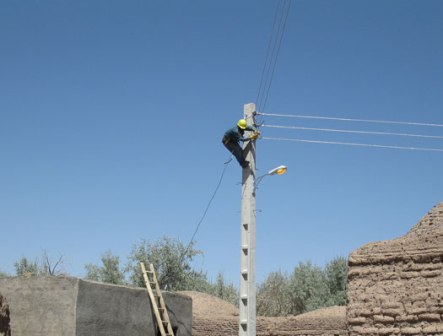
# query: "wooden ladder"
157,302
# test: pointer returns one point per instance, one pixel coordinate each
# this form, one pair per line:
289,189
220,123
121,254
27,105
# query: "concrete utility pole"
247,322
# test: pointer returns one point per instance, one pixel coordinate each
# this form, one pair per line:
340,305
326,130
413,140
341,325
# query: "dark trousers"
236,150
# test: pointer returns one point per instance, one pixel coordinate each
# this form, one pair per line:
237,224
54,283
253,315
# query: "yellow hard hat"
242,124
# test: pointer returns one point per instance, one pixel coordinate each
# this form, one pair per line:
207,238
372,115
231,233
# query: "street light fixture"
280,170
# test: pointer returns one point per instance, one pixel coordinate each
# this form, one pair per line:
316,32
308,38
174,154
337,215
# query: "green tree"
308,289
26,267
109,272
172,263
223,290
45,266
336,276
273,295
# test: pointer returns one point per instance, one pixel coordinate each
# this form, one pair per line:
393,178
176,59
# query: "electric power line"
265,70
353,131
350,119
278,29
355,144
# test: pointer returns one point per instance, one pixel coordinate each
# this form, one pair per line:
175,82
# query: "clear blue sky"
112,114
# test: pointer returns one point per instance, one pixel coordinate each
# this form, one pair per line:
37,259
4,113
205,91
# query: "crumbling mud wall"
215,317
54,306
5,329
334,324
396,287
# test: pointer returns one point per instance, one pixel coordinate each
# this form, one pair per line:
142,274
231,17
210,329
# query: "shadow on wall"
5,328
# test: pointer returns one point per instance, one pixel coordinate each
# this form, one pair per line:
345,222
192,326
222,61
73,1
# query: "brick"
391,304
383,319
388,331
389,276
411,331
393,312
407,318
417,311
433,267
376,310
365,312
429,317
356,320
364,331
431,274
409,275
434,329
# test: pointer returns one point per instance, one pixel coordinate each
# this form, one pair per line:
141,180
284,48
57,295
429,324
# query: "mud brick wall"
396,287
215,317
5,329
274,326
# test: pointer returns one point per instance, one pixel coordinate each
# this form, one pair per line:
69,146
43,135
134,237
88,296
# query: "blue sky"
112,114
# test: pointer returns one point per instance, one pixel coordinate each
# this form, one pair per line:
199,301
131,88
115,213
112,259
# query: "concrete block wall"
396,287
63,306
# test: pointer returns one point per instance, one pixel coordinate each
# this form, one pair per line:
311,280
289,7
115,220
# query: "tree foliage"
223,290
172,263
109,272
308,287
24,266
43,266
273,295
336,273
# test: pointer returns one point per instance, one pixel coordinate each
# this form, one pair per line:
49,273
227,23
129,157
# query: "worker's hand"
255,135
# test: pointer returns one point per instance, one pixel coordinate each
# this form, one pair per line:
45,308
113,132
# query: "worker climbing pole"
234,135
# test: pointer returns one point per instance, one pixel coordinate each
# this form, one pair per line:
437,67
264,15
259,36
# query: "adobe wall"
275,326
54,306
5,329
396,287
215,317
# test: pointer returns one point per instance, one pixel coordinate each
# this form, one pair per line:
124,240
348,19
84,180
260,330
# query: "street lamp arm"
280,170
